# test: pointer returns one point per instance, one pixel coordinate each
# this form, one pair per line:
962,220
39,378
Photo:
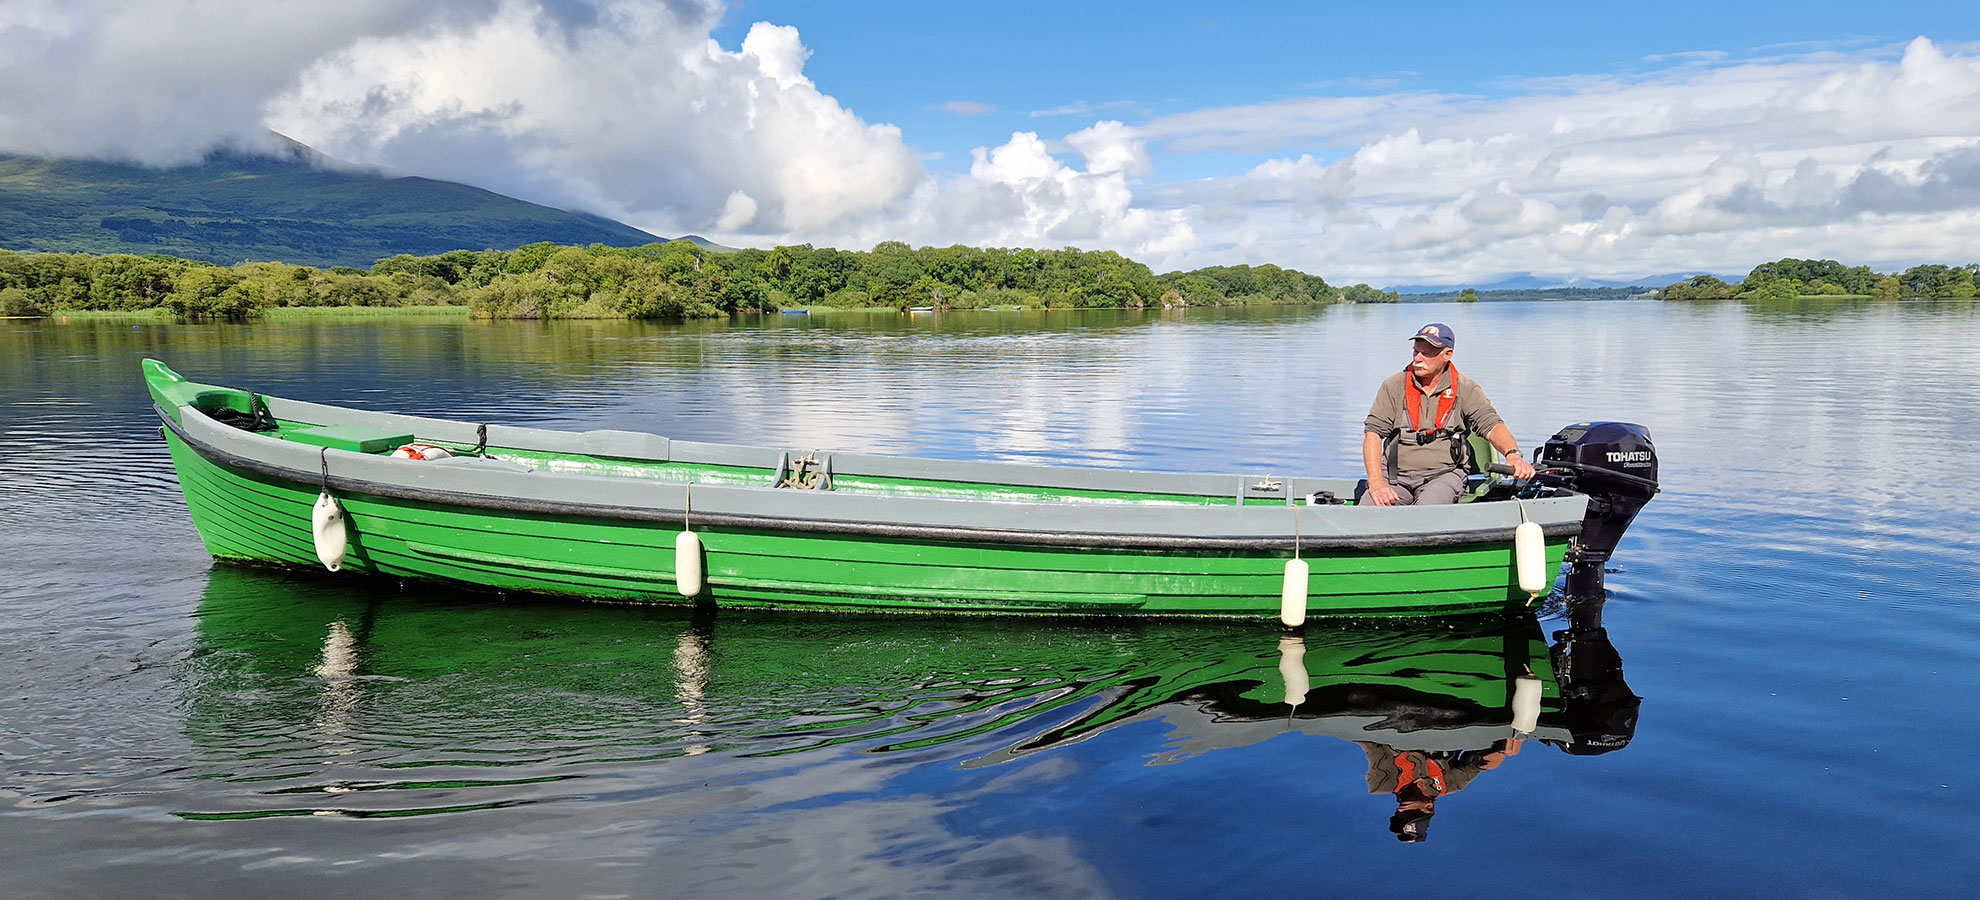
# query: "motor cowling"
1615,465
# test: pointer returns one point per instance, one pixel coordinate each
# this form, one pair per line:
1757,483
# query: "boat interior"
653,458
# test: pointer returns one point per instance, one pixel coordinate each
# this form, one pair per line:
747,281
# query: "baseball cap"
1411,826
1437,333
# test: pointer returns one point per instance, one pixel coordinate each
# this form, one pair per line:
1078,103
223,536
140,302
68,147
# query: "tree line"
1788,279
671,280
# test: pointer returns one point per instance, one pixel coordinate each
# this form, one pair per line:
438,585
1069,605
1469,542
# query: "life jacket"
421,451
1433,771
1461,456
1413,401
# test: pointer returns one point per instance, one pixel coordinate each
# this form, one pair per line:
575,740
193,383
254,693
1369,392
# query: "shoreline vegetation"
1792,279
671,280
678,280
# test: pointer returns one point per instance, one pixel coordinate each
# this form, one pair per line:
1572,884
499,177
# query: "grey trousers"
1426,488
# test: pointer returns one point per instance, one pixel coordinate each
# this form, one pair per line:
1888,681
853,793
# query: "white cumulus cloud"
1870,157
634,113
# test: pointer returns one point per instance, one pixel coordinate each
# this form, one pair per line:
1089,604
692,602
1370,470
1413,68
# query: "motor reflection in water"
317,697
1433,706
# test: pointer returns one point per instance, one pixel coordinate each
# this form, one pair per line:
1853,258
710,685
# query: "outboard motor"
1615,464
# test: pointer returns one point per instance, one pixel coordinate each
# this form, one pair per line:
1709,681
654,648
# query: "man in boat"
1414,442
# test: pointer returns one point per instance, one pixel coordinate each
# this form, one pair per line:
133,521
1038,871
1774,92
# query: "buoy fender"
1526,704
1292,594
1530,558
689,576
1292,668
327,527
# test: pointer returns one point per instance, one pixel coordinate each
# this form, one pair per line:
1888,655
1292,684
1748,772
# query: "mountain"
294,206
1536,282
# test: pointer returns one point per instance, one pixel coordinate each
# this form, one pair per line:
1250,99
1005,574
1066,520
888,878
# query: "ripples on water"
1800,609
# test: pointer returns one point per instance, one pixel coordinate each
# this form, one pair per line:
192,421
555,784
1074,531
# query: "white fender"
1526,704
1530,557
327,524
1292,594
1292,668
689,577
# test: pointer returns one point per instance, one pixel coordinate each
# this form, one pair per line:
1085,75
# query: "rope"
1295,532
480,441
687,507
260,417
323,457
801,478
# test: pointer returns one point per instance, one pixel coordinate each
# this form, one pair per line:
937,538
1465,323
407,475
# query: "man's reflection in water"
1419,777
1598,715
1430,707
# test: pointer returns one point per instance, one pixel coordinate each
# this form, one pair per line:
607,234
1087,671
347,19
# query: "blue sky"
1397,144
902,62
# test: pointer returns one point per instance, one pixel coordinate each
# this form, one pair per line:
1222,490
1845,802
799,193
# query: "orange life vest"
1433,771
1413,399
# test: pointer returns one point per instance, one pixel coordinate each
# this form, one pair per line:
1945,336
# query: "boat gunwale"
1280,542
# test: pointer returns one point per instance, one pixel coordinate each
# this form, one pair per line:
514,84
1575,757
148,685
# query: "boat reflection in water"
1432,707
311,697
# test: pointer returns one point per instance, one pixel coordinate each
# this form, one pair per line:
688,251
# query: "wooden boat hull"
595,537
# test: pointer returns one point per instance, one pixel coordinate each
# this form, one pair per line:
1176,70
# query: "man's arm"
1502,441
1379,491
1380,421
1480,416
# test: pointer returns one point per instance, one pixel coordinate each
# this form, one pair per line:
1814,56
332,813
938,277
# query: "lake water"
1798,612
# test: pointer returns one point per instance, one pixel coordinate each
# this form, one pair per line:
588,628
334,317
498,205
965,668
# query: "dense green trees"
676,279
1940,282
1699,287
1791,278
1362,293
679,279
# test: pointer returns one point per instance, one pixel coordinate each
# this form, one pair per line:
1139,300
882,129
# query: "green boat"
618,515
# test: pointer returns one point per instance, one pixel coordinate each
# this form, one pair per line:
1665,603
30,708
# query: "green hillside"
233,208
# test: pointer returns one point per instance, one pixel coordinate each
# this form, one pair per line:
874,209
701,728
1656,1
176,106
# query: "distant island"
671,280
1789,279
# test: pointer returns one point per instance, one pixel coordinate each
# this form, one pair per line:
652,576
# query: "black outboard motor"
1615,464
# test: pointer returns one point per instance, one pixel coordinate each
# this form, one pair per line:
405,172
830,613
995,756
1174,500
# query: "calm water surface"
1799,612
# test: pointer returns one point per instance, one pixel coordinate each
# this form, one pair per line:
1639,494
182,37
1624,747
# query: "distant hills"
1540,283
1556,293
291,207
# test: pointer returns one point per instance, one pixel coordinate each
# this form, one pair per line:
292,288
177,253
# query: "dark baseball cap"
1411,826
1437,333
